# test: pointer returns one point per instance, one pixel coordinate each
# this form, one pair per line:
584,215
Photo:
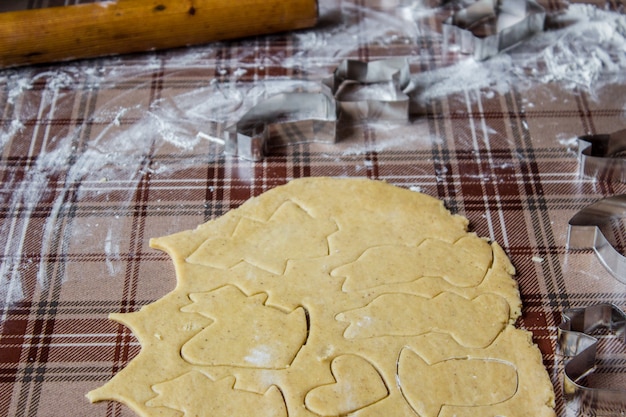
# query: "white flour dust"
119,150
590,50
112,158
588,53
346,27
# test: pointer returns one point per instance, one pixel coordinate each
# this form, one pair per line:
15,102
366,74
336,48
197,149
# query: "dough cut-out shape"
259,336
256,242
393,264
270,314
357,385
215,398
456,382
408,315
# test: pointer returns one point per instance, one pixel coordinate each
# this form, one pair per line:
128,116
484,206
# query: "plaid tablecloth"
100,155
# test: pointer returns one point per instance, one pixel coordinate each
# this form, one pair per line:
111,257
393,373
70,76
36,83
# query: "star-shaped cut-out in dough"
268,244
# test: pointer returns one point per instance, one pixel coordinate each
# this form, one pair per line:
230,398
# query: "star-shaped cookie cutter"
291,118
487,27
603,156
585,231
576,343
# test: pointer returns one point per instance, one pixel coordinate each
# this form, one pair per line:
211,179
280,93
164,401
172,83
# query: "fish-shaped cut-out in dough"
195,394
357,385
463,264
268,245
248,338
454,382
399,314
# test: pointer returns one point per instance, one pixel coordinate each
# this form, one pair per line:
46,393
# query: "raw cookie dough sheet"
97,157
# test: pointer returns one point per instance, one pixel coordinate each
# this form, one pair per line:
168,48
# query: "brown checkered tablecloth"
98,156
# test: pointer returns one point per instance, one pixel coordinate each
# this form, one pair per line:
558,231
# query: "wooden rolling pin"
124,26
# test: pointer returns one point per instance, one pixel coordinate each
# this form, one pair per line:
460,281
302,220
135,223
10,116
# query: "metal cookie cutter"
584,231
576,342
291,118
287,118
487,27
603,156
388,100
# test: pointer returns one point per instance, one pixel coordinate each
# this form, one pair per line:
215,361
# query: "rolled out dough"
328,297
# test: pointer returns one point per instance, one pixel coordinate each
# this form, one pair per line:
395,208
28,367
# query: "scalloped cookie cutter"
585,231
301,117
575,341
488,27
603,156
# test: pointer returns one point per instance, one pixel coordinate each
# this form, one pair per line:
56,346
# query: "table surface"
100,155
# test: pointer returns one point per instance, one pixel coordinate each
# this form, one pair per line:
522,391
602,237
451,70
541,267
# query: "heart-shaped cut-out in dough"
357,385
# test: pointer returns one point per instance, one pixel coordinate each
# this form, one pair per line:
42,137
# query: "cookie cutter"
576,343
283,119
603,156
585,231
389,101
302,117
487,27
